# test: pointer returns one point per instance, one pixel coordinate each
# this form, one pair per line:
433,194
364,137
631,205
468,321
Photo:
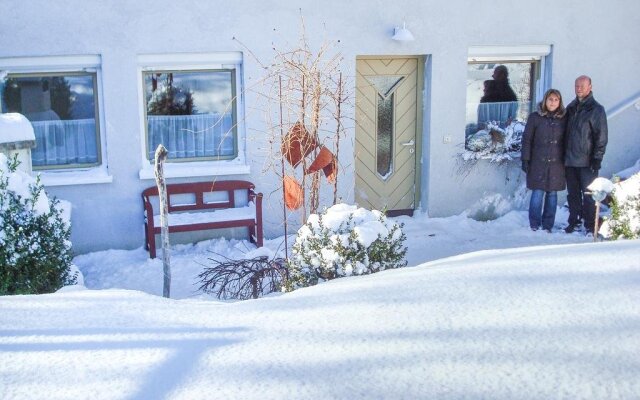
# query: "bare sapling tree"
302,95
304,88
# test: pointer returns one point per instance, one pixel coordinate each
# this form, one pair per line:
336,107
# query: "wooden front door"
386,129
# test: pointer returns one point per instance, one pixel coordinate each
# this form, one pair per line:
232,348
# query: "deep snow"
484,310
560,320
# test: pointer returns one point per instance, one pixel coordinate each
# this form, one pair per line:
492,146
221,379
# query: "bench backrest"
199,189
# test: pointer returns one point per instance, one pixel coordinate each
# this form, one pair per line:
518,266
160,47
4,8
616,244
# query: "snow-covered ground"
513,314
427,239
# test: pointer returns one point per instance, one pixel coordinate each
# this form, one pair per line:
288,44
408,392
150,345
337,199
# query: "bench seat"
201,214
193,218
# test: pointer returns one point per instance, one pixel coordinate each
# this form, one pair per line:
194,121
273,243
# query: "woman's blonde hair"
559,113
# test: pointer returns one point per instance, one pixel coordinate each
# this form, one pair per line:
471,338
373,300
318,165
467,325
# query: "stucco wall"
109,215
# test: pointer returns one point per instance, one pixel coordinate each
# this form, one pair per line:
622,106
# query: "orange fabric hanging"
331,169
293,195
297,144
323,159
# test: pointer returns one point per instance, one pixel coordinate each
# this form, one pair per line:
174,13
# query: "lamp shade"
402,34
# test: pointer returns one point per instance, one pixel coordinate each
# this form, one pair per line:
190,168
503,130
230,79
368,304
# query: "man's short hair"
502,70
581,77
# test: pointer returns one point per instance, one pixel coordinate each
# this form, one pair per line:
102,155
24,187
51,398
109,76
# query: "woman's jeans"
539,215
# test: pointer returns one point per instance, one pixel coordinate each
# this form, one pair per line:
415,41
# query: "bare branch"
244,279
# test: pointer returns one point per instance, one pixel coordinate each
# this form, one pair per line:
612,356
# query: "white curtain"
188,136
65,142
499,112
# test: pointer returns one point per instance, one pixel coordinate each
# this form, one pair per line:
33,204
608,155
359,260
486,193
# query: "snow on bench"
201,214
228,214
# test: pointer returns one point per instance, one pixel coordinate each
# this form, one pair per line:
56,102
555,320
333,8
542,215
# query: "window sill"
74,177
196,169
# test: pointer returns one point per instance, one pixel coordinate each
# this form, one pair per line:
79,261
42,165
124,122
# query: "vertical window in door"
384,145
385,86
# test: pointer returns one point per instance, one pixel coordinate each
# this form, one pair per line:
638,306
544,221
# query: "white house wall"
587,37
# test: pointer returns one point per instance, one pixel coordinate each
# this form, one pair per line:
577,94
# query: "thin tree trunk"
160,157
314,200
338,131
304,148
284,195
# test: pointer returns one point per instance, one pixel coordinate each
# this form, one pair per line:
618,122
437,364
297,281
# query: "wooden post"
160,157
595,228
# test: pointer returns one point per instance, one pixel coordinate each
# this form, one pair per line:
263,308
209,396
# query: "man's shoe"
598,236
573,227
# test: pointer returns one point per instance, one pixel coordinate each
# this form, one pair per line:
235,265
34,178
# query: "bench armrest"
148,208
257,199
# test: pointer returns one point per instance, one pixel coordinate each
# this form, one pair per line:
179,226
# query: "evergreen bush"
35,251
343,241
621,221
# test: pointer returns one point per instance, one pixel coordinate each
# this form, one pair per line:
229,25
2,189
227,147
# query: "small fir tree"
169,99
35,251
61,96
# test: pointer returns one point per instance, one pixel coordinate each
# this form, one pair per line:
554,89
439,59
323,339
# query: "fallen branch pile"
244,279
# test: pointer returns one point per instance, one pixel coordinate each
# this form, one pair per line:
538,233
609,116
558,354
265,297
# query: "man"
585,144
499,91
502,90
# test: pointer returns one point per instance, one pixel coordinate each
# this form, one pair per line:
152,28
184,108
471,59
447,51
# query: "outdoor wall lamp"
402,34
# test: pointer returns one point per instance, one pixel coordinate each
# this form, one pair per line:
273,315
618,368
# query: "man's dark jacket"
587,135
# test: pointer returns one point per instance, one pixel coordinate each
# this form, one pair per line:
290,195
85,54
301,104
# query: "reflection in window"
192,113
385,85
62,109
499,100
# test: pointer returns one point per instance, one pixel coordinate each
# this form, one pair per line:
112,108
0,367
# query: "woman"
542,159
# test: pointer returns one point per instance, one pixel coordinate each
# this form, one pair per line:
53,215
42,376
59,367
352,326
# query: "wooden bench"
204,214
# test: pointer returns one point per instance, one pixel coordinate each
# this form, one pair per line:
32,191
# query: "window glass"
385,86
192,113
500,96
384,145
62,109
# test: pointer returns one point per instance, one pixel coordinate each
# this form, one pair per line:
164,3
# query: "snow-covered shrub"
494,143
624,219
35,252
343,241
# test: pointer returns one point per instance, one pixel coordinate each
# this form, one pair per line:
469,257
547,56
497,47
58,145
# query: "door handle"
411,143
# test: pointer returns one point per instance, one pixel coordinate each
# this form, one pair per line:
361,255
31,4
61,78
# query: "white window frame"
191,62
71,63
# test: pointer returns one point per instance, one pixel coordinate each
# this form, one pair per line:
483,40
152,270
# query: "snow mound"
15,127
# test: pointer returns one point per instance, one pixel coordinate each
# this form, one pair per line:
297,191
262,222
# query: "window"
63,109
192,103
192,113
503,86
